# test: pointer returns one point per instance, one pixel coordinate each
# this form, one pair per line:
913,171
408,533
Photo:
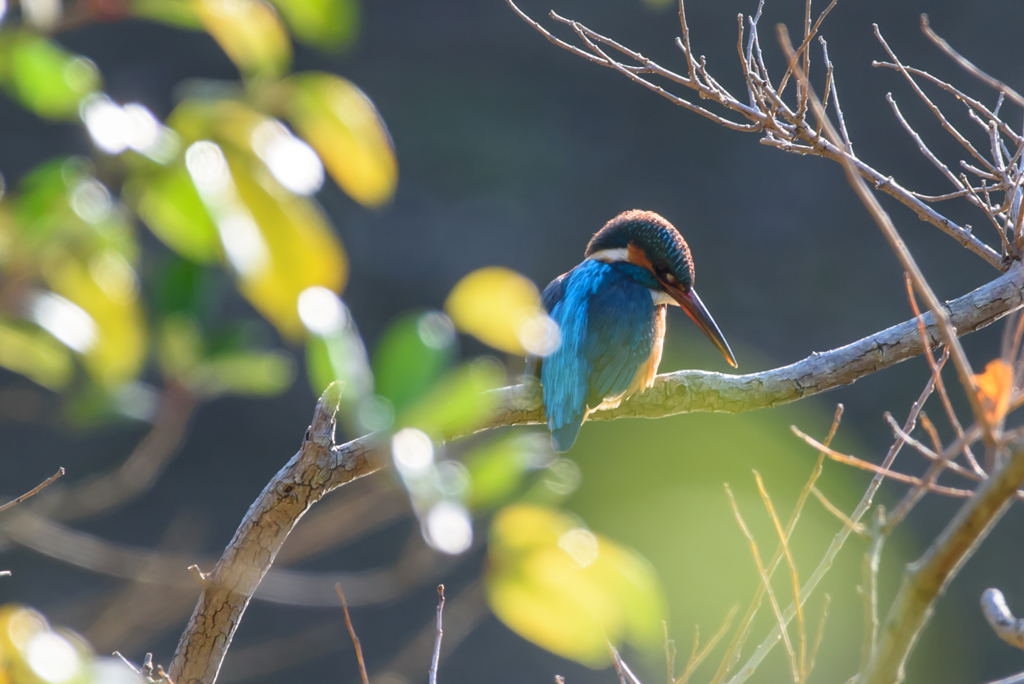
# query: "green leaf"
31,352
569,590
168,202
181,287
179,346
326,24
341,123
497,469
339,357
179,13
249,373
43,76
411,355
460,403
84,250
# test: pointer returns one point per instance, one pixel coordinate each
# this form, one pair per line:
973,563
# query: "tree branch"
317,468
926,579
691,391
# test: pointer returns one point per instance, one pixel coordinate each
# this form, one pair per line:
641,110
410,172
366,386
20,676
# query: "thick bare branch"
926,579
317,468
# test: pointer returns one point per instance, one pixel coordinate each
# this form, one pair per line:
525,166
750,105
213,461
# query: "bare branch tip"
202,579
321,430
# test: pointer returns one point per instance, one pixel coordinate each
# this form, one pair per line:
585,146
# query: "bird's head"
647,240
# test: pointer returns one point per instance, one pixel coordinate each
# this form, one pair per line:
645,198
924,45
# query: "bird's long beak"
694,308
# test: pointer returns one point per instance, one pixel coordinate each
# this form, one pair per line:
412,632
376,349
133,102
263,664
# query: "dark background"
514,152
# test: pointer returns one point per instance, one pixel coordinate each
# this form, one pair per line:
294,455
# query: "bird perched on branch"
611,314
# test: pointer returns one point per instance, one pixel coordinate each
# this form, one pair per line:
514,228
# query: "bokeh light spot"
52,658
321,311
581,544
292,162
413,452
449,528
65,320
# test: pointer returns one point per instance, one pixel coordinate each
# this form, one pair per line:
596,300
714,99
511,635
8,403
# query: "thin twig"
936,370
767,583
352,633
826,601
801,627
35,490
969,66
882,470
950,128
838,541
696,658
670,653
432,675
743,630
834,510
869,588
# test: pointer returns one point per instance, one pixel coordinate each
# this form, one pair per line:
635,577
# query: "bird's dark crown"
657,241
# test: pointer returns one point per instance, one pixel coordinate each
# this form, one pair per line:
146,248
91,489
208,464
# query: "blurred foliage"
343,126
95,310
32,652
43,76
568,589
223,183
493,304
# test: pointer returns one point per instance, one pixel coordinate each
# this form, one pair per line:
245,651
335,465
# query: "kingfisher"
610,311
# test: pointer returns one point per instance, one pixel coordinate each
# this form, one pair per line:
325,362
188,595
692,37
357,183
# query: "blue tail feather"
562,438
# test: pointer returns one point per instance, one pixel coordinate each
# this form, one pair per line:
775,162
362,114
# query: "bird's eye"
670,279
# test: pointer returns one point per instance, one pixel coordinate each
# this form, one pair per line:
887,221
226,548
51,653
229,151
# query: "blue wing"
606,321
620,337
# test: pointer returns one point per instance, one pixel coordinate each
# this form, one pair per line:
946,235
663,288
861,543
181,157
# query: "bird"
610,311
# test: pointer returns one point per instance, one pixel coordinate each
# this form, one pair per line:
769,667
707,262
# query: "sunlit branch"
691,391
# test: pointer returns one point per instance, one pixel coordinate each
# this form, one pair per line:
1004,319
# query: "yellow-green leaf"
326,24
569,590
497,469
251,34
410,356
298,248
459,403
167,201
43,76
180,13
35,354
343,126
501,308
243,372
105,287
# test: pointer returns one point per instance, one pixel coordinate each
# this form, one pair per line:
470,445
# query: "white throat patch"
609,256
660,297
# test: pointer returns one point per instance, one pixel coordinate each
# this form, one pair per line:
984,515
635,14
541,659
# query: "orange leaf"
994,388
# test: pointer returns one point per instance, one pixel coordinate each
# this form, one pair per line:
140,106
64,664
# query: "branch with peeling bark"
317,468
